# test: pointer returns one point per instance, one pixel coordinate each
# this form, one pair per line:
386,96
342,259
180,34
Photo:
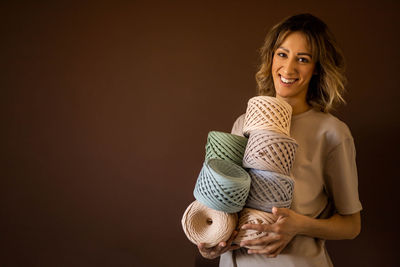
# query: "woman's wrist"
304,224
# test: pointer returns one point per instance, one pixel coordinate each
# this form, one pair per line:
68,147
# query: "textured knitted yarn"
269,189
268,113
225,146
222,185
252,216
272,151
204,225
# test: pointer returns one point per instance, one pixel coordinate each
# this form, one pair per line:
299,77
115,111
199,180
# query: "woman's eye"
281,54
304,60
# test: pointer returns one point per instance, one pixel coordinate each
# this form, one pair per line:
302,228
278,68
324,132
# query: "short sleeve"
237,128
341,179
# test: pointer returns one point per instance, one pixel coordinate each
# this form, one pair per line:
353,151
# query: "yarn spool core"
224,169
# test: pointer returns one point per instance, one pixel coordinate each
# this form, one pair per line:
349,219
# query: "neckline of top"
300,115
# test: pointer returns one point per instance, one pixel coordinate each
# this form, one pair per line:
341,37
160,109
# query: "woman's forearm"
335,228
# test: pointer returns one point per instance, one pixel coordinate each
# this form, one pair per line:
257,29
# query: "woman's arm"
290,224
336,227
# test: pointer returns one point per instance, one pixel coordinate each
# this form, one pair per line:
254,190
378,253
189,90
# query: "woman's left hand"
279,234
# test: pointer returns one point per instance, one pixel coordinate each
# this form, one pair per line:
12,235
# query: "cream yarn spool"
204,225
268,113
252,216
269,189
267,150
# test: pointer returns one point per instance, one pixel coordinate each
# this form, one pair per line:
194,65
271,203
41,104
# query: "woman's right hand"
221,248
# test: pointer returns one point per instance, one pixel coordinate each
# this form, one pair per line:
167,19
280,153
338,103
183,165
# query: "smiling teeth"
287,80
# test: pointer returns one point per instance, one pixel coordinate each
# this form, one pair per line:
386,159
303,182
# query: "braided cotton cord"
204,225
267,150
252,216
222,185
268,113
225,146
269,189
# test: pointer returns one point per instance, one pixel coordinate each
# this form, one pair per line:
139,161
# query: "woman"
302,65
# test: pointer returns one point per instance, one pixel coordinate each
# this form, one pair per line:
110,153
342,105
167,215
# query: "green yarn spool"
225,146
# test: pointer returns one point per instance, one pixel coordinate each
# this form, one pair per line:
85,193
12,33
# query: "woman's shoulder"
240,119
332,127
237,128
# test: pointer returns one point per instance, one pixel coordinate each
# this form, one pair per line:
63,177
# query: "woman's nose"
289,67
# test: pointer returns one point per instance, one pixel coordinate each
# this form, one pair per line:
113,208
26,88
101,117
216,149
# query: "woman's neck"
298,106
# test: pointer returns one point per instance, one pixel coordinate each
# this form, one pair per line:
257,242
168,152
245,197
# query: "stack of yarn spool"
223,187
269,155
221,191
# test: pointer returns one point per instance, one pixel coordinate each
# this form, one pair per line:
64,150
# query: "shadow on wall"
202,262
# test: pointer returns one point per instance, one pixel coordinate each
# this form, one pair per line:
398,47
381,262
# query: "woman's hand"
222,247
279,234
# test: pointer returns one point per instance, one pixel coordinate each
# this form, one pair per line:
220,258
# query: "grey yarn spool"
271,151
222,185
269,189
225,146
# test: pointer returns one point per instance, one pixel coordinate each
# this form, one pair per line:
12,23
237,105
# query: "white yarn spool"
268,113
204,225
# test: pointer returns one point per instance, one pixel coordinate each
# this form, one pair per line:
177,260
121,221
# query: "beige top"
325,176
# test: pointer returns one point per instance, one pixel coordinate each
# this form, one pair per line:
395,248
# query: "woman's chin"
283,94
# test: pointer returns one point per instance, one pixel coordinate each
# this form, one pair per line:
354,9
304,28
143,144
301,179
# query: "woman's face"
292,68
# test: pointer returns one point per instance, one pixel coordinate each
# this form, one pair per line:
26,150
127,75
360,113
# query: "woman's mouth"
286,80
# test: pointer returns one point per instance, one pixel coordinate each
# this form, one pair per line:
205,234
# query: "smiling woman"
302,65
311,44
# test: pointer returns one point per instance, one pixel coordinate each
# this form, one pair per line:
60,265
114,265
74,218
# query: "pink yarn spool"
204,225
252,216
267,113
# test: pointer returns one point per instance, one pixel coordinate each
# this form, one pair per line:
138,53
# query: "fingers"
201,246
209,253
233,236
280,212
259,227
229,245
277,252
270,251
234,247
213,252
262,241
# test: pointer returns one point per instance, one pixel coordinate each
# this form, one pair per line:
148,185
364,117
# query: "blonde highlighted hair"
326,88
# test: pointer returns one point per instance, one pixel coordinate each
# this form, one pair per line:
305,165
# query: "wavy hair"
326,88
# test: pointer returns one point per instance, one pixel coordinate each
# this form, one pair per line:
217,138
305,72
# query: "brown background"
105,109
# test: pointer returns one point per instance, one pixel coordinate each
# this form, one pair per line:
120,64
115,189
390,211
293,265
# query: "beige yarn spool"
267,150
268,113
204,225
253,216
